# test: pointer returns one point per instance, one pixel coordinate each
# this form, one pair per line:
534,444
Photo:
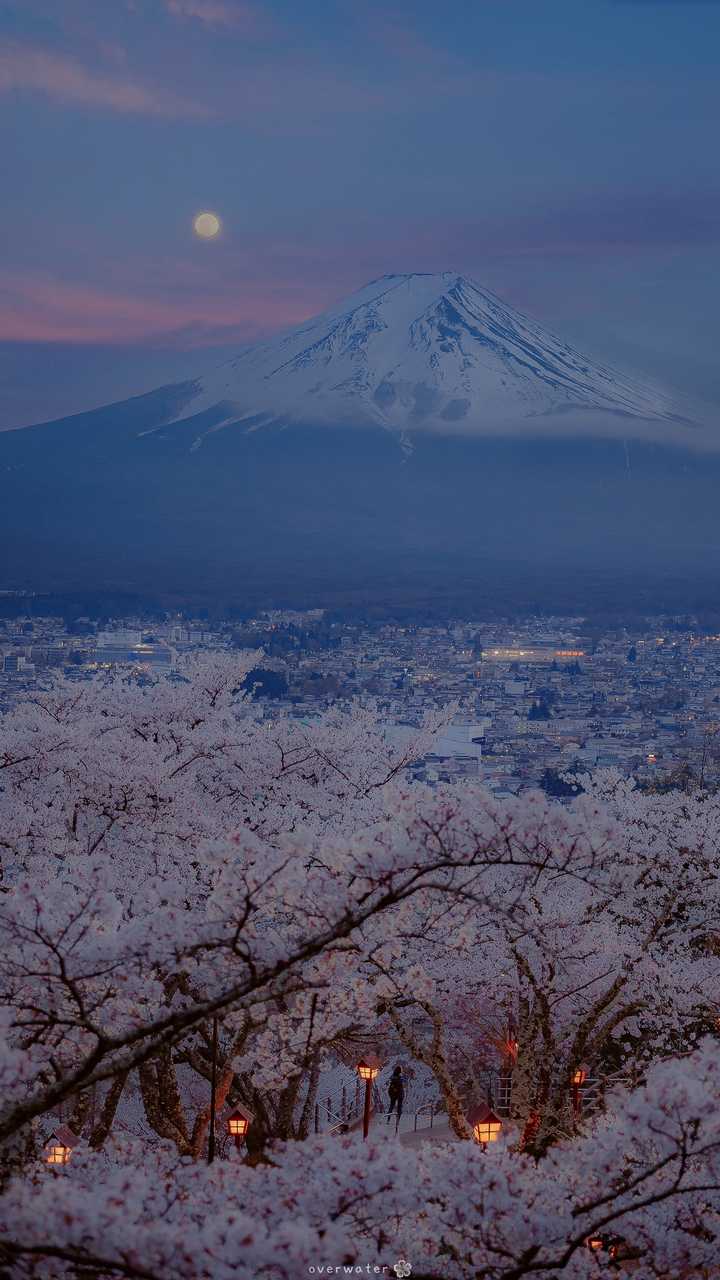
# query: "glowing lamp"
577,1080
368,1068
58,1153
488,1130
59,1145
486,1126
594,1243
238,1125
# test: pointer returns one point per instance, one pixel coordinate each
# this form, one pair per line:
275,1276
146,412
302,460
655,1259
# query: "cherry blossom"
179,870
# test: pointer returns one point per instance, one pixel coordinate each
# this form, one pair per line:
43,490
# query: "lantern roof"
240,1112
482,1114
62,1135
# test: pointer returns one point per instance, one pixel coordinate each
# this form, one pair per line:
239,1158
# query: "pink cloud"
38,307
23,67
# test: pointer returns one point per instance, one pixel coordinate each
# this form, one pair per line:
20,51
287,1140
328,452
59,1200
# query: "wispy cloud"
43,307
37,70
217,13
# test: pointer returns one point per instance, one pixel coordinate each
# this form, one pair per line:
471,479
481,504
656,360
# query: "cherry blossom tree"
644,1186
606,965
113,795
171,858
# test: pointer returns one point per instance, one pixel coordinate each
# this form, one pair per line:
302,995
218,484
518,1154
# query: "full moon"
206,225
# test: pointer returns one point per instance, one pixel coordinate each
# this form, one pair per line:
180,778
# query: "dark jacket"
396,1088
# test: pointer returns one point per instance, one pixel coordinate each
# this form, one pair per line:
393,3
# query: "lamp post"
368,1069
213,1090
486,1126
577,1080
238,1124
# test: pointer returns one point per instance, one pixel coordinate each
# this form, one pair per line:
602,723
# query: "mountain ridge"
433,351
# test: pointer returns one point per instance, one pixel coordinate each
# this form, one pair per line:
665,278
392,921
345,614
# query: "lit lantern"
577,1080
60,1143
486,1126
594,1243
368,1068
238,1123
57,1153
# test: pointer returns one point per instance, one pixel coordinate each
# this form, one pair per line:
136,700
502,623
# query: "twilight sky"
562,152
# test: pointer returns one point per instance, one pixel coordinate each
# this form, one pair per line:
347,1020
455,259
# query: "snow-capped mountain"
421,441
429,352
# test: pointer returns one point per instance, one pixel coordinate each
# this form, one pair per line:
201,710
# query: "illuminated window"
58,1154
488,1130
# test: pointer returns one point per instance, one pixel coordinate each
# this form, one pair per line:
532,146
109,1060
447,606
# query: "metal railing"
430,1109
338,1114
499,1090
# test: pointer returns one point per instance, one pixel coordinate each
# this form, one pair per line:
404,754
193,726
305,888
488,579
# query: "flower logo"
402,1268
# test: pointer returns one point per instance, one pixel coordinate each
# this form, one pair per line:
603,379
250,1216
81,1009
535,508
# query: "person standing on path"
396,1094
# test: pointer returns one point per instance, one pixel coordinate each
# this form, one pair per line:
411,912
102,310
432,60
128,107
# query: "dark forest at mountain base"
484,593
355,519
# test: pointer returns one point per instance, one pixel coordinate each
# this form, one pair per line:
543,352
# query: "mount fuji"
420,432
429,352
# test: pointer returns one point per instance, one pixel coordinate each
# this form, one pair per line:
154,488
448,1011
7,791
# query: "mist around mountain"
421,439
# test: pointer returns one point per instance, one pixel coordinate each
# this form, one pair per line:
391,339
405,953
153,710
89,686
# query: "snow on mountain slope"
431,352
